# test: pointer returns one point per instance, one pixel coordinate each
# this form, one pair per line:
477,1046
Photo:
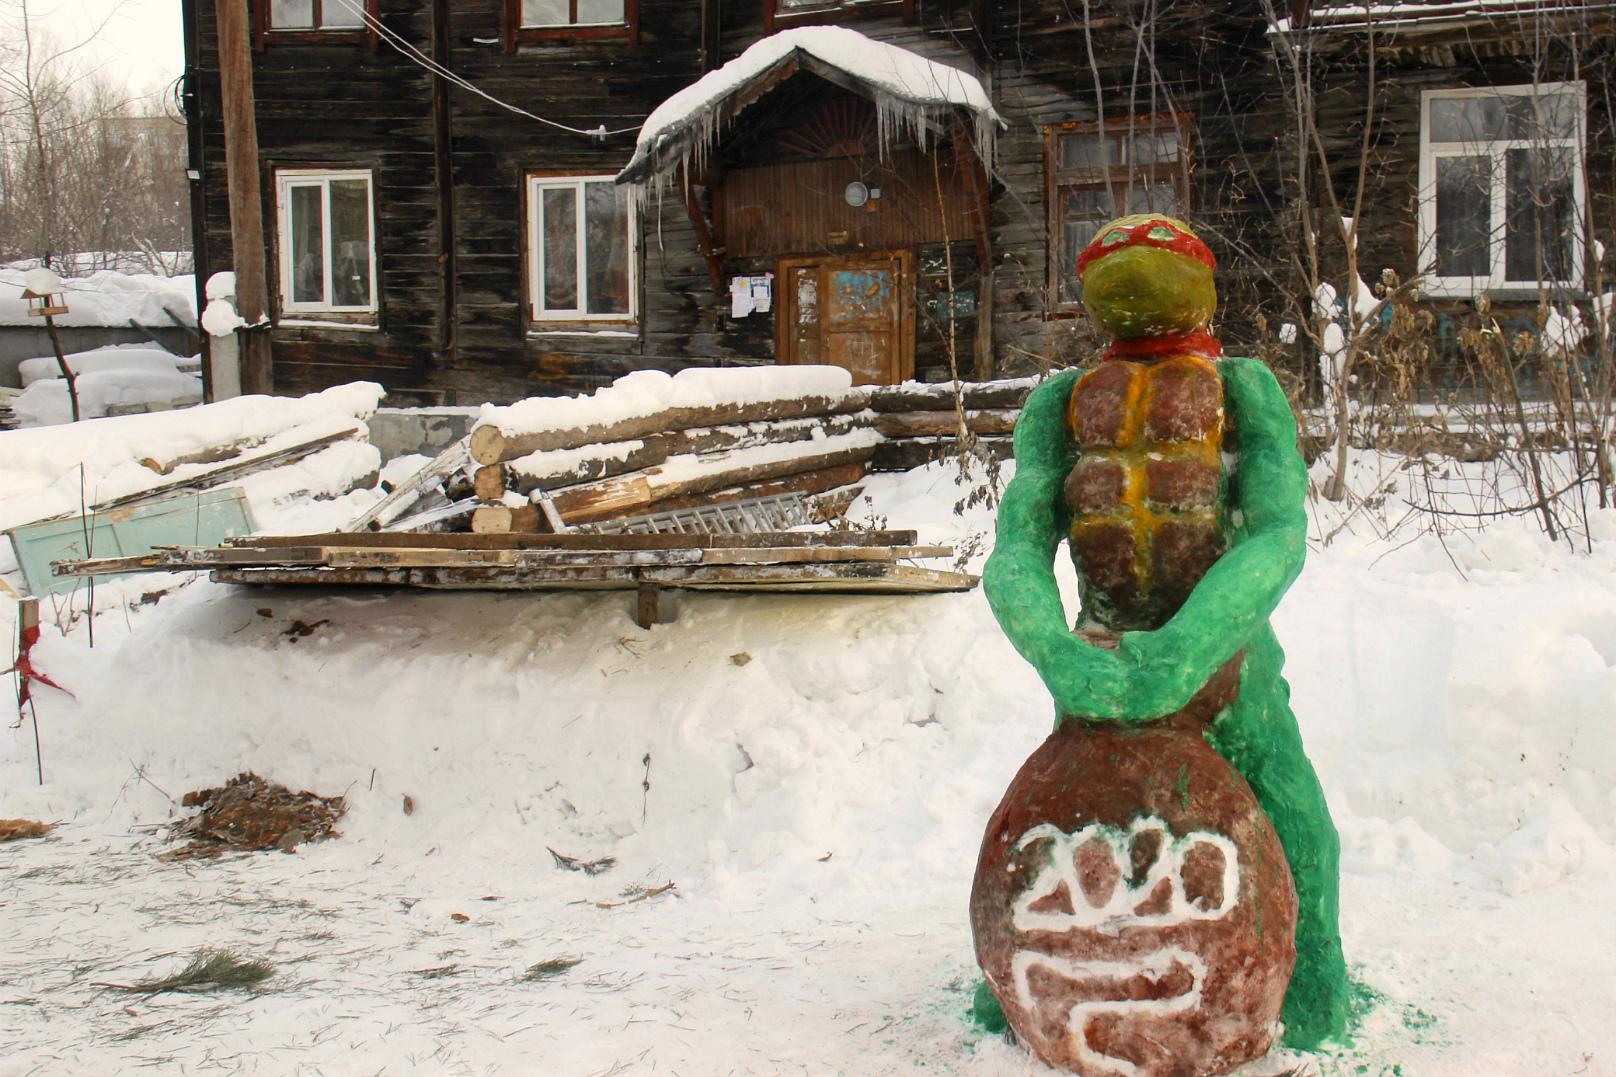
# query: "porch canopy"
912,95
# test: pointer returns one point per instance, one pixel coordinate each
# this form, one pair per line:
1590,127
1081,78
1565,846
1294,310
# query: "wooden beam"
463,541
246,196
920,424
493,444
704,233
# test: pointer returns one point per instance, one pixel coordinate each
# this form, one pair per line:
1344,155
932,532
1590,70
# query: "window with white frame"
1502,190
327,241
581,249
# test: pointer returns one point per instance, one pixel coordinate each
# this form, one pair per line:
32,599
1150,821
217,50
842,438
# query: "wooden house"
458,202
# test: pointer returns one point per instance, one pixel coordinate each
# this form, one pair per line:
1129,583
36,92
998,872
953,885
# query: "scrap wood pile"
836,561
653,445
920,423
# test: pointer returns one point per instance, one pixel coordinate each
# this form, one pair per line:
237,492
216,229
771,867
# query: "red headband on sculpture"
1138,235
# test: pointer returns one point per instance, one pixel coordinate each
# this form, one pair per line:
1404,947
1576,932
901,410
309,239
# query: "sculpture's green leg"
1258,735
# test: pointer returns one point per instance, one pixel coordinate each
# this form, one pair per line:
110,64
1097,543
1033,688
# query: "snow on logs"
921,422
652,442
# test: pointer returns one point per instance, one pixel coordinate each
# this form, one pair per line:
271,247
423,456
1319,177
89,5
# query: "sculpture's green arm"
1019,577
1237,595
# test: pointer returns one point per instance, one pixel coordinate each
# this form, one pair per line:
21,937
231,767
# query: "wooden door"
853,311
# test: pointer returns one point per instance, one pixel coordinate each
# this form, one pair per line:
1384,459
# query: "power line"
416,56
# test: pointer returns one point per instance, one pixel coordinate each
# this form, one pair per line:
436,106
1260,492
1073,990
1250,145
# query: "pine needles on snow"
208,970
548,970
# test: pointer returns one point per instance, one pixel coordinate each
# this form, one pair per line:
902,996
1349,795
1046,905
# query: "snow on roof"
909,90
103,298
1404,16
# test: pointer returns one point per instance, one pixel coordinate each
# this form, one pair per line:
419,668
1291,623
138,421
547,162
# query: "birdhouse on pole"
44,292
41,304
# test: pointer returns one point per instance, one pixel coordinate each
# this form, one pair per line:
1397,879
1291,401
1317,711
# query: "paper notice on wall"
740,297
762,293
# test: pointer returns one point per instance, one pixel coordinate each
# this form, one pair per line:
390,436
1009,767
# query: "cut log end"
503,520
488,445
490,482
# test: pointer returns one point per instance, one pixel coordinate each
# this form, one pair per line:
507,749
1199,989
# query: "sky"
142,45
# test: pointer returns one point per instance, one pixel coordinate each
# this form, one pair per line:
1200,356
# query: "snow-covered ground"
812,773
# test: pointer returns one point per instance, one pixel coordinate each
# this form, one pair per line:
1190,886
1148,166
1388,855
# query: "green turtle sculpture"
1158,889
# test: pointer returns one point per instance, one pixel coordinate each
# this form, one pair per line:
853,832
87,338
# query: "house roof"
1413,17
911,94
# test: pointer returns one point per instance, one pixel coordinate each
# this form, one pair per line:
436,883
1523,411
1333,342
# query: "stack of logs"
921,423
677,458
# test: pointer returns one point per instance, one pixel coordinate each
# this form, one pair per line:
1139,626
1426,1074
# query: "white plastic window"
327,242
581,249
1502,189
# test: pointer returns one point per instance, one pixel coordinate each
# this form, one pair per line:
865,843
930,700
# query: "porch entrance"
854,311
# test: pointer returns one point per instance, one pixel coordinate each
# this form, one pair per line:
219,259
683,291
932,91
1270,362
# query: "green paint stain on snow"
986,1011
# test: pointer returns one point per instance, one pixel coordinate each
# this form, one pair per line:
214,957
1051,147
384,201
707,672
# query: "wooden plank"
440,467
461,540
916,424
821,554
632,494
490,444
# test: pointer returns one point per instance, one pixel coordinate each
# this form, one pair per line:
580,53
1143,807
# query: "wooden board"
876,577
463,541
206,517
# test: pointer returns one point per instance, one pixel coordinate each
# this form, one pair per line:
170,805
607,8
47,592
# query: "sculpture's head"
1147,275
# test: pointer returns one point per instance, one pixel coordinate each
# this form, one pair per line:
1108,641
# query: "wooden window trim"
367,319
514,33
1055,178
265,35
579,323
775,20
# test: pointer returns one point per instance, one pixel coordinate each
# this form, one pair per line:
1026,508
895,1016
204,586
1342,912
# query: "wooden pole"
246,197
66,368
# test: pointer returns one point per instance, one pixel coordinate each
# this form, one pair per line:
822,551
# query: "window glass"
1538,214
1088,151
606,247
1467,119
598,12
338,15
1463,213
350,243
308,244
546,12
291,14
558,234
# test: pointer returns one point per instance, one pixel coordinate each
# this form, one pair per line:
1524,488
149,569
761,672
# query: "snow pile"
909,92
644,393
99,361
104,298
40,469
813,773
220,319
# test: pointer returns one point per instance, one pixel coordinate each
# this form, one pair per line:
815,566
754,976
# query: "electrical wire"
416,56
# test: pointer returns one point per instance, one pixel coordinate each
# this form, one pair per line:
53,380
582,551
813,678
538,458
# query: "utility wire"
416,56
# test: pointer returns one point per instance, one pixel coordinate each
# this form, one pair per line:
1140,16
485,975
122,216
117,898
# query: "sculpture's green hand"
1019,577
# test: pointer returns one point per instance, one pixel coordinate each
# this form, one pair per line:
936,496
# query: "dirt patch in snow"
248,813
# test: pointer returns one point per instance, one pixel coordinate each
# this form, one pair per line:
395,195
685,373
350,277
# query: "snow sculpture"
1139,908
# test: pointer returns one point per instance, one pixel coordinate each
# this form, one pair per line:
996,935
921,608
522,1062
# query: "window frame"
285,178
577,318
1056,178
264,34
1497,150
516,34
775,19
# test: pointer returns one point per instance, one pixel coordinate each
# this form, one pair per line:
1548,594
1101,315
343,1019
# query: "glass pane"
350,243
558,234
606,247
291,14
1463,216
1087,151
1153,198
546,13
1540,224
338,15
1089,202
308,245
1153,147
1467,119
1086,208
1547,115
596,12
